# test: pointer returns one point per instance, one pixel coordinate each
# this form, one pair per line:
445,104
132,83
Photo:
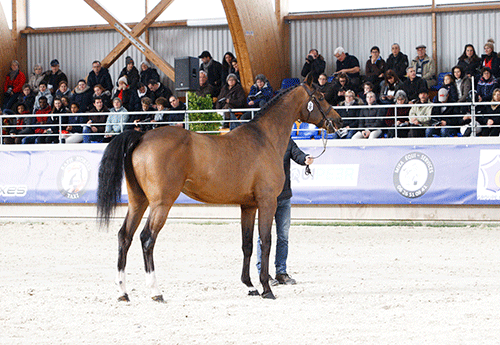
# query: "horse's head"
317,110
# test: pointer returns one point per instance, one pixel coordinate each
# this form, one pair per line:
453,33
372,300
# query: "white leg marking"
151,283
120,281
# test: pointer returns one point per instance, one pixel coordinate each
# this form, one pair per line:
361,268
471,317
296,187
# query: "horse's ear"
309,79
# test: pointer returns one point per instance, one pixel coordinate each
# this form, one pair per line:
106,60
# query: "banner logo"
488,181
413,175
73,177
13,190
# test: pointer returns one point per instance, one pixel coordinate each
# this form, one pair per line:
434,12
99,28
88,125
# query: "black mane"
273,101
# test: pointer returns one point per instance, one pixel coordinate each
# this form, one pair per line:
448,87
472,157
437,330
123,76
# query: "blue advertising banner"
440,174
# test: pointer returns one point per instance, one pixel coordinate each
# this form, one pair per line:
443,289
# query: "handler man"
282,217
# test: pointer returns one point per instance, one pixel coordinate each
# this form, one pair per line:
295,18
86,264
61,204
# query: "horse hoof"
268,295
124,298
158,298
253,292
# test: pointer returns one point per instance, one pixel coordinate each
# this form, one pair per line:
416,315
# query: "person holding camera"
315,64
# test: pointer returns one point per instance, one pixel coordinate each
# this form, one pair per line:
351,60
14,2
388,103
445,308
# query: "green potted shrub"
196,102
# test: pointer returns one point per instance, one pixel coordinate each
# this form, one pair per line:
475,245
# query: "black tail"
110,177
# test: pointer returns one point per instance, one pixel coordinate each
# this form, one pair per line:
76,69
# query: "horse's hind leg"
247,227
157,217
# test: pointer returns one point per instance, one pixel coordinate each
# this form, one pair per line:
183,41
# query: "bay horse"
243,167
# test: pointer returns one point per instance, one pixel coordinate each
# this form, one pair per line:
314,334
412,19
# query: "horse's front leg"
247,227
267,209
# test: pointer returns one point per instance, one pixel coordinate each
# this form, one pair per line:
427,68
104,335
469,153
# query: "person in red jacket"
41,120
13,85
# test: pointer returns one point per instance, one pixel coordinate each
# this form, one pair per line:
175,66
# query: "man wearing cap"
54,76
99,75
131,72
424,66
213,69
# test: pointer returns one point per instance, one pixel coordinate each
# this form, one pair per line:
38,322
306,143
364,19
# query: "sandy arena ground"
356,285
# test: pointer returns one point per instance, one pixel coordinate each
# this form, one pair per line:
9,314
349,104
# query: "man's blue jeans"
282,217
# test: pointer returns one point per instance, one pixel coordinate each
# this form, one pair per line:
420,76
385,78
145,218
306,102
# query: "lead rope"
324,139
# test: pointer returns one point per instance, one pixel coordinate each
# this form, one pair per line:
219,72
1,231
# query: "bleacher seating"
303,130
440,81
289,82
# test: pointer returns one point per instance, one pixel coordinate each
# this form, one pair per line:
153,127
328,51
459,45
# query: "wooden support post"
434,36
19,22
281,8
132,36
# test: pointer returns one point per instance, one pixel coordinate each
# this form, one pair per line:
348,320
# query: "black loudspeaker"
186,74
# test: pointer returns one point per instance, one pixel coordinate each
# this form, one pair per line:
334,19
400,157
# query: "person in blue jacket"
260,92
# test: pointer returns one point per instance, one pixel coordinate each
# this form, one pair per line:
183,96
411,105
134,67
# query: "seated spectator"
389,87
127,95
36,77
449,84
213,69
236,69
470,62
116,121
348,64
491,114
15,133
13,85
53,77
160,116
232,96
148,115
72,134
205,87
66,103
27,97
148,73
143,91
260,92
340,85
375,68
96,122
420,115
398,117
424,66
176,118
103,94
413,85
42,92
370,119
99,76
397,61
82,94
56,121
441,117
350,116
326,88
159,90
227,65
490,59
462,82
486,85
63,89
315,64
366,87
131,72
41,119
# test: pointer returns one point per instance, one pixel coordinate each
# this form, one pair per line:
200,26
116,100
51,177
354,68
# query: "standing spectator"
63,89
74,125
148,73
348,64
463,83
326,88
128,96
27,97
115,123
159,90
315,64
99,75
82,94
420,115
42,92
213,69
486,85
13,85
131,72
397,61
492,117
350,116
490,58
102,93
205,87
470,62
389,87
260,92
176,105
370,119
401,120
375,68
227,65
36,77
41,119
96,123
231,96
236,69
424,66
340,86
54,76
413,85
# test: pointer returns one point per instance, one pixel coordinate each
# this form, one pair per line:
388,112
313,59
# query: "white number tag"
310,106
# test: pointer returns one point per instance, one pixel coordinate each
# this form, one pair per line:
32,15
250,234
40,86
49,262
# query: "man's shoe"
285,279
272,281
